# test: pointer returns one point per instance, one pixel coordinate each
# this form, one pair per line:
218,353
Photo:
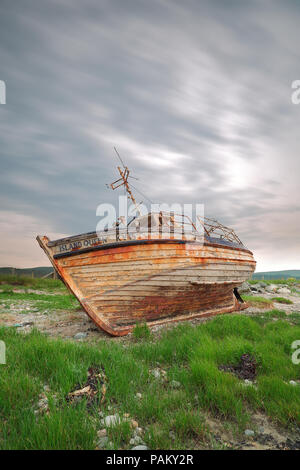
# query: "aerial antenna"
119,157
123,181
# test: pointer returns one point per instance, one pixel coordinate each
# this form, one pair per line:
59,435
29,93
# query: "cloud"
18,231
195,95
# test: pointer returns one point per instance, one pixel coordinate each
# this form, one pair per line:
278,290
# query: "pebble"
140,448
249,432
172,435
138,395
101,433
283,290
80,335
111,420
156,373
134,423
271,288
102,442
248,382
292,382
261,429
175,384
134,441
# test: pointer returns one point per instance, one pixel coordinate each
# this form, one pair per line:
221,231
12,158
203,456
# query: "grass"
172,417
189,355
53,296
256,301
42,301
282,300
290,281
141,331
31,282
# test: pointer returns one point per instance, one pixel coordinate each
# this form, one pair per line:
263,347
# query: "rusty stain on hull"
158,281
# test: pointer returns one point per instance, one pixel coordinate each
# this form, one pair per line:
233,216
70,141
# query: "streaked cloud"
195,95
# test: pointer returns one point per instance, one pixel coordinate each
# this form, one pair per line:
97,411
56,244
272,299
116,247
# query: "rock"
172,435
102,442
138,431
134,423
141,447
80,335
138,395
271,288
263,285
244,288
156,373
283,290
261,429
111,420
249,432
175,384
42,405
260,290
292,382
136,440
248,382
101,433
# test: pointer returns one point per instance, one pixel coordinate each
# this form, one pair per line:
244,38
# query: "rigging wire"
119,157
142,194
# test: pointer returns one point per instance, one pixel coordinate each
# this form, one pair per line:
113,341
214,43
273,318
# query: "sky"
196,96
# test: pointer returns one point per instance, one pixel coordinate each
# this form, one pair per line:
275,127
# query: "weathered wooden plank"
150,255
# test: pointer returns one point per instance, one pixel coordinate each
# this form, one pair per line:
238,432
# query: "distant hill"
35,272
278,274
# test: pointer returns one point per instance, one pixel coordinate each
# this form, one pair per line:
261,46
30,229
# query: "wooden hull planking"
153,282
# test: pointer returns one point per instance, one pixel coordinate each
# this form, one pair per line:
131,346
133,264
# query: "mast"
123,181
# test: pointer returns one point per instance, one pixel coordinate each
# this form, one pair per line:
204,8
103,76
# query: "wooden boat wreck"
158,269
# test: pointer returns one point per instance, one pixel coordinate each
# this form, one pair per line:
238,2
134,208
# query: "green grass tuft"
257,301
141,331
282,300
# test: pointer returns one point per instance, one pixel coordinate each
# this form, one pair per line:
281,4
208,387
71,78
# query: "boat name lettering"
76,245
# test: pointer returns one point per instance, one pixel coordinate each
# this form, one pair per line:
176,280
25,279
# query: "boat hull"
153,281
